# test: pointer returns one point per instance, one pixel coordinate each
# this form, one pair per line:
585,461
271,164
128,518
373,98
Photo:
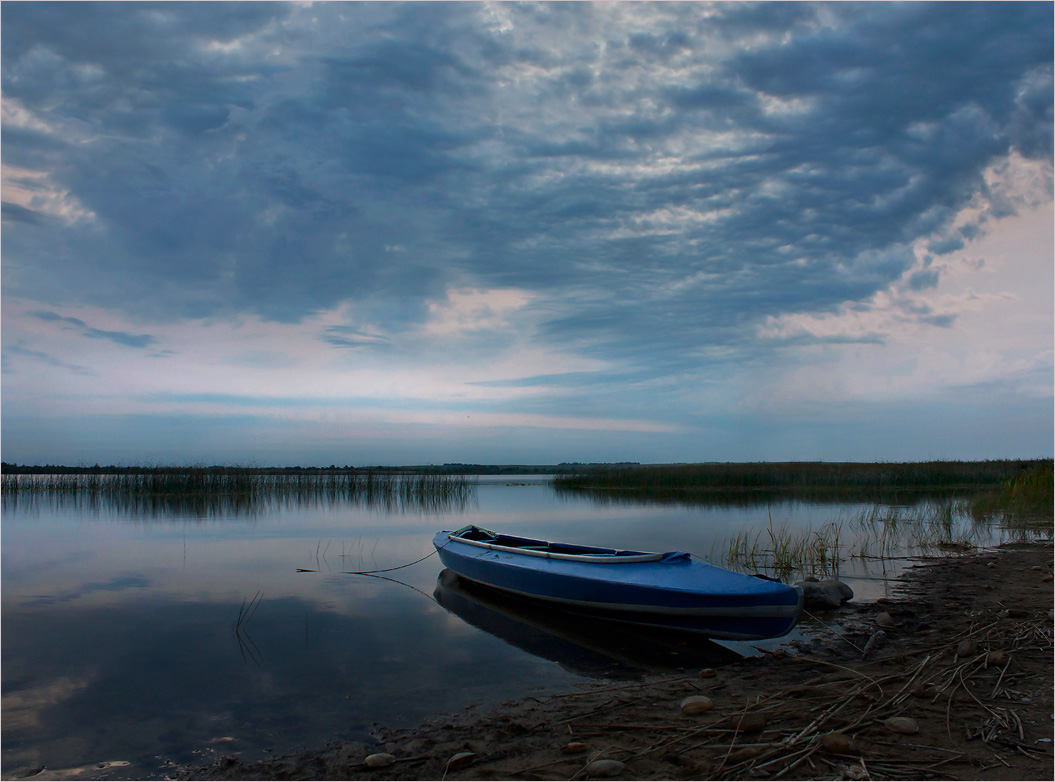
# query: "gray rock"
824,595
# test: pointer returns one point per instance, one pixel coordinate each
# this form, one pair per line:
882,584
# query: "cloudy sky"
526,233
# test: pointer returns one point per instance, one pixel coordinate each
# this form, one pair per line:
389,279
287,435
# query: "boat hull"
672,592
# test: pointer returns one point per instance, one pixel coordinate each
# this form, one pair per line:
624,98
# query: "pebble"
1048,577
696,704
990,564
708,673
965,648
745,754
748,723
838,744
884,619
905,725
379,760
922,690
996,657
877,639
461,760
573,748
605,768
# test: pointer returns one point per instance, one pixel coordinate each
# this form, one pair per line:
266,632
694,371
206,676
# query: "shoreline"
963,651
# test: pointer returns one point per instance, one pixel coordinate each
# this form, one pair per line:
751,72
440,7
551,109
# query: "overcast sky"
408,233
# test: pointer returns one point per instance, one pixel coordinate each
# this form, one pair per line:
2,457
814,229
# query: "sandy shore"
964,658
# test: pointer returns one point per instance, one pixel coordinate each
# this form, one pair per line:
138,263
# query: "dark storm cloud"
266,158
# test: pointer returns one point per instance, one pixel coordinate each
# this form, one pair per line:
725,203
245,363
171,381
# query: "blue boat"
670,590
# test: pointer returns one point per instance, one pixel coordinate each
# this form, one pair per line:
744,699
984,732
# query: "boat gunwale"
614,558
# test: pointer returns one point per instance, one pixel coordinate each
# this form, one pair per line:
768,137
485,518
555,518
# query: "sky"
387,233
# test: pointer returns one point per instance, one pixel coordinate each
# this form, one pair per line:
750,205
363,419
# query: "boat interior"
481,535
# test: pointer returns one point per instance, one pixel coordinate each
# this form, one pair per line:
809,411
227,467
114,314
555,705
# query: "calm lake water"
119,641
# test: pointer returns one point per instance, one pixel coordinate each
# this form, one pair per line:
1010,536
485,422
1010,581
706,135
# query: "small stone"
923,690
1048,577
745,753
884,619
996,657
708,673
990,564
748,723
856,772
379,760
696,704
877,640
905,725
1036,567
605,768
966,648
461,760
573,748
838,744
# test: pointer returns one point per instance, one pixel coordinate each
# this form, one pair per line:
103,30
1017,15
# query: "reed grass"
879,532
786,551
1028,494
800,480
207,491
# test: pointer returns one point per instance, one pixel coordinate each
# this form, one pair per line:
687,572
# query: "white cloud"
471,310
997,293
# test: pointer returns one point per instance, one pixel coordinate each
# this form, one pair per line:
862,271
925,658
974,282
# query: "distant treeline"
450,468
809,479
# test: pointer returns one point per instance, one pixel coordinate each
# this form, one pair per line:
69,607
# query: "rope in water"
380,570
388,569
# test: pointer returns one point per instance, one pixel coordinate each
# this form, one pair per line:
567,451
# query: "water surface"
119,638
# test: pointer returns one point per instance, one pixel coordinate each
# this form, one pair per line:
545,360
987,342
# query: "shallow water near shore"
144,637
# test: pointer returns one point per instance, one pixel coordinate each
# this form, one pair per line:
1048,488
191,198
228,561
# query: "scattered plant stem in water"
942,528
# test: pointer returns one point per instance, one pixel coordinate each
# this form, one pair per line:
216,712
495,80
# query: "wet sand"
963,655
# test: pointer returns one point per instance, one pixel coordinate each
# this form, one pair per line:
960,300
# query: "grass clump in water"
1031,493
807,552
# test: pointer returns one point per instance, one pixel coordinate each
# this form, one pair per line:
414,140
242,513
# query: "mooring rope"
380,570
389,569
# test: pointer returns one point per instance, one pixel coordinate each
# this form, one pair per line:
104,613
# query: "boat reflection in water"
581,644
